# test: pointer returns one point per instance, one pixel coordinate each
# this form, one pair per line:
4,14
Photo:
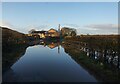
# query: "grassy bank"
14,45
99,69
96,68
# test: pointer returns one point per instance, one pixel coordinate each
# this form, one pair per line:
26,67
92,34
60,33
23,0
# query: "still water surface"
43,64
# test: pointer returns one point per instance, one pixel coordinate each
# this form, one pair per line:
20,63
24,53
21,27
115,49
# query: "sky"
60,0
86,17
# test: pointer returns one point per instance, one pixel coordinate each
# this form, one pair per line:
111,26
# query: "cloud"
72,25
38,27
102,26
6,24
91,28
24,29
95,28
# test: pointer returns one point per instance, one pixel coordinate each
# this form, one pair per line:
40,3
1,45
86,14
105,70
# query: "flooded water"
47,64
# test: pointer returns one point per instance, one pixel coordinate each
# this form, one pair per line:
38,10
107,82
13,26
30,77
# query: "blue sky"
60,0
86,17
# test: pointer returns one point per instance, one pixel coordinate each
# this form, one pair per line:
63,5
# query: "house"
41,34
52,33
45,34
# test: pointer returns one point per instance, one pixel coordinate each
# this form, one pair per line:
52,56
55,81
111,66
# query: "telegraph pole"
59,28
59,31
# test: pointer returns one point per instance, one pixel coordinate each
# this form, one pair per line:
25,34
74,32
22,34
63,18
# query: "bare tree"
65,31
31,31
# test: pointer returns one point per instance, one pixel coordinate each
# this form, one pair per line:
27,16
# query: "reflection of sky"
91,18
47,64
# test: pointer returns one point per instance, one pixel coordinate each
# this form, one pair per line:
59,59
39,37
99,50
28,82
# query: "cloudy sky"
86,17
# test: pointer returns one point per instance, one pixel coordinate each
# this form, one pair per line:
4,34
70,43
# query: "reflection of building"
54,45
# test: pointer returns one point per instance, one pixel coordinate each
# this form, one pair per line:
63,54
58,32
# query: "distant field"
98,41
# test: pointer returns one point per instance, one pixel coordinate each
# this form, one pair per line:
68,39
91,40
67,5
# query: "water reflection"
47,63
44,61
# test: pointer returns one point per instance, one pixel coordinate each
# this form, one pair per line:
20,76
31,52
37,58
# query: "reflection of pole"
59,38
44,44
58,48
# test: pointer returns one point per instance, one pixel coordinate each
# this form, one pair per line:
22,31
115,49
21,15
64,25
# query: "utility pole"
59,28
59,31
